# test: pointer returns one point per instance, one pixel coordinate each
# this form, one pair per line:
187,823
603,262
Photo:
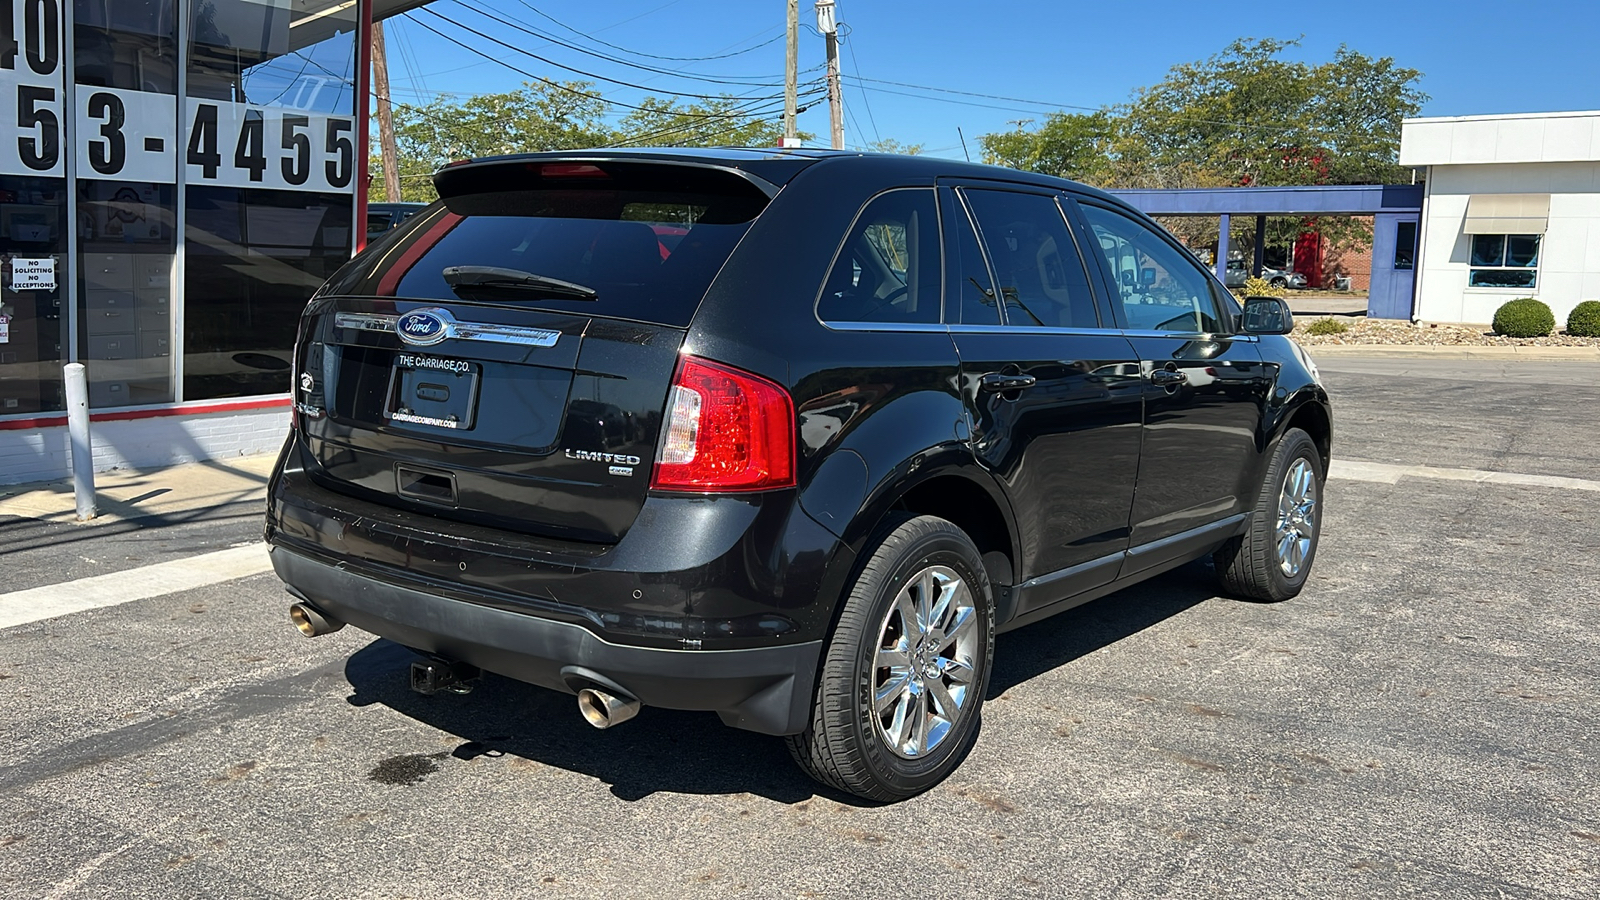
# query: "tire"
1280,281
883,757
1253,564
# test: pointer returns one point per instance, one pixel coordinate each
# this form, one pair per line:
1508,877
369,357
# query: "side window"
978,306
1041,276
889,268
1161,289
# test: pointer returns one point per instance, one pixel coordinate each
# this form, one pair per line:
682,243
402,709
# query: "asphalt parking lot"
1424,721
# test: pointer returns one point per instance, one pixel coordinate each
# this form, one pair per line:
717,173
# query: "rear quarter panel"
877,411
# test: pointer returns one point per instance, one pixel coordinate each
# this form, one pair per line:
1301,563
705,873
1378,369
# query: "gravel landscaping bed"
1388,331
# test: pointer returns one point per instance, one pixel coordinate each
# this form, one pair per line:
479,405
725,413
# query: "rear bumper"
718,604
766,689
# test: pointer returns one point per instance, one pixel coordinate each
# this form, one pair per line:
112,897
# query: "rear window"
647,254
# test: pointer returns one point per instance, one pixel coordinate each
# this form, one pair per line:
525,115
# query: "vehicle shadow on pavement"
659,750
672,751
1035,649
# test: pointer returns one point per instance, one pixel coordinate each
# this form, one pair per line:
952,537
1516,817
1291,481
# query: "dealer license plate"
433,391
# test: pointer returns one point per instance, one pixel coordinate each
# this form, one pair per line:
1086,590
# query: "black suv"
785,435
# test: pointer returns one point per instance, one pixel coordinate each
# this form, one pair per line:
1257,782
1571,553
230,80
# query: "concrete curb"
1450,351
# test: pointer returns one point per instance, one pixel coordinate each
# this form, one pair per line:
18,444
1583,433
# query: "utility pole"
828,24
390,154
791,80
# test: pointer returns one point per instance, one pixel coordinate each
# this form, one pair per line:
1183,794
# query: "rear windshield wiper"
495,277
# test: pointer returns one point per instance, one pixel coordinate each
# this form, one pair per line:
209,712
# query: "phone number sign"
127,135
240,145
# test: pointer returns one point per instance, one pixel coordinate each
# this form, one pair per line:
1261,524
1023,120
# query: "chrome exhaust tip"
311,621
603,710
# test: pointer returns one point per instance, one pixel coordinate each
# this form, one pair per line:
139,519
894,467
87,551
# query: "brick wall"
1354,261
42,454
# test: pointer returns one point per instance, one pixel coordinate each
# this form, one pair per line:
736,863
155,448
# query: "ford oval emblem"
423,327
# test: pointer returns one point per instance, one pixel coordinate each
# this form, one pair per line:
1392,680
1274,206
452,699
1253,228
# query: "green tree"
890,145
1079,146
537,116
1246,116
723,122
551,116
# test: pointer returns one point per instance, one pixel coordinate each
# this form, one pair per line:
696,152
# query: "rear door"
1052,387
505,359
1204,386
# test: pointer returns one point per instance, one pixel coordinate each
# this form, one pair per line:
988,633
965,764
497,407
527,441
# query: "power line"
529,30
591,37
750,112
850,45
408,58
639,16
733,112
924,87
1045,103
544,80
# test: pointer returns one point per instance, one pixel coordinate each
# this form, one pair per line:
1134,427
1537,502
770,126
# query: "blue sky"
1476,57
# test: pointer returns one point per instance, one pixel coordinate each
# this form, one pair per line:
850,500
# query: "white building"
1512,209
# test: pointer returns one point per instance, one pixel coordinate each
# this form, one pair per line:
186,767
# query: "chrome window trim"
1088,332
1189,335
1032,329
921,327
927,328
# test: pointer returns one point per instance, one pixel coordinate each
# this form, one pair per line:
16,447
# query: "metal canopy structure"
1395,210
1303,200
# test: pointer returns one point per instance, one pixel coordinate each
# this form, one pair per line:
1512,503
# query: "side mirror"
1267,315
1147,277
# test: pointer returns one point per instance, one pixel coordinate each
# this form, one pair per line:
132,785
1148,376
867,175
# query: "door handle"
1167,377
999,382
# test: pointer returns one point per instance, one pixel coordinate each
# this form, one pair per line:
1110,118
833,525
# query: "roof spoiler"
502,173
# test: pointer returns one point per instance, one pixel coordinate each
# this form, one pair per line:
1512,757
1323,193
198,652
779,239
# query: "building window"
1405,246
1504,261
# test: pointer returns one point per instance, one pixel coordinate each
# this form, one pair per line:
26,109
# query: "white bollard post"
77,379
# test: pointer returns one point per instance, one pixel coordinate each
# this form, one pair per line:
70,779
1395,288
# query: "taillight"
726,430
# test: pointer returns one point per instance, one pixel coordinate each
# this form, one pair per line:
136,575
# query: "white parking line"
116,588
1388,473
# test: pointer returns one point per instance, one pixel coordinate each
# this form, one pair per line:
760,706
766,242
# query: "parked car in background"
383,217
1283,277
787,436
1237,272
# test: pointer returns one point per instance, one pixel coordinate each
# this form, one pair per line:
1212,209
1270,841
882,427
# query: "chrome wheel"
1297,517
923,671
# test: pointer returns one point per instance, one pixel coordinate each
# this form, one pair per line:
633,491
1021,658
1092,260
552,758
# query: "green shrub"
1524,317
1327,326
1584,320
1260,287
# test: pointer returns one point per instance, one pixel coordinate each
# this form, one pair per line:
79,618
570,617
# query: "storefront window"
33,210
271,171
125,64
255,172
254,258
